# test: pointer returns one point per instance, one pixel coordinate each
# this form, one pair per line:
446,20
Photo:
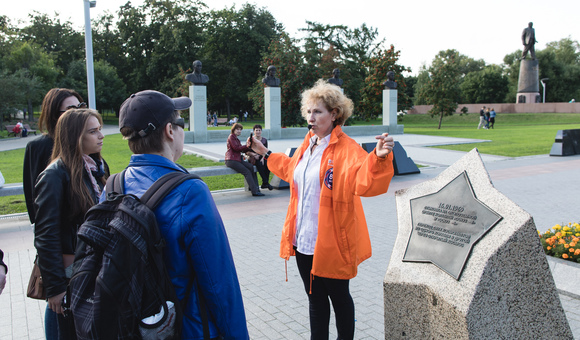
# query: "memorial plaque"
447,224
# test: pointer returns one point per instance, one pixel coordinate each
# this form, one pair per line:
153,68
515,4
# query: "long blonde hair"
68,148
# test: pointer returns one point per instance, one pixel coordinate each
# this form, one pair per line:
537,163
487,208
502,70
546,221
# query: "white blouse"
307,181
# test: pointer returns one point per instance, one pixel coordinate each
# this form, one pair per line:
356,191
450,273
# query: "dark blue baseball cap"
147,110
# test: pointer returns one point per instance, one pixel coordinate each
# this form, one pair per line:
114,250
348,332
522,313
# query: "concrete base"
528,80
273,111
198,113
506,290
528,98
390,110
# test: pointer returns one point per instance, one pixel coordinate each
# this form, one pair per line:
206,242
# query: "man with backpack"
197,254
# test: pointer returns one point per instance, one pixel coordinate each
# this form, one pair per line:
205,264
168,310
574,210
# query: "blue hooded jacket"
195,235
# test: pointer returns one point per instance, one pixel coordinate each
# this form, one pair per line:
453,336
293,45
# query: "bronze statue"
270,79
336,78
196,77
529,39
390,83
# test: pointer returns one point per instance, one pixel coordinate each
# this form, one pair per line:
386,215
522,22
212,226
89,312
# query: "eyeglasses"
82,105
179,122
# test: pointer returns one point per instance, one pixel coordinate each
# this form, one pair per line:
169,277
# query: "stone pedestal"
390,111
528,82
198,114
273,112
504,288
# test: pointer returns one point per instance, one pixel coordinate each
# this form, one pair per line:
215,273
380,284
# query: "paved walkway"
543,186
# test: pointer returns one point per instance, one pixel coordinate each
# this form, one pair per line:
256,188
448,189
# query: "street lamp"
89,53
544,86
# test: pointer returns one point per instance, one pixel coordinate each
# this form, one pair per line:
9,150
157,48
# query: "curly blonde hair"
332,97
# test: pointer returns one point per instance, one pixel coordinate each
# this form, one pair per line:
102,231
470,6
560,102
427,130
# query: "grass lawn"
514,135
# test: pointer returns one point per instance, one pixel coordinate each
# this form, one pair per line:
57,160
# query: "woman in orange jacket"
325,226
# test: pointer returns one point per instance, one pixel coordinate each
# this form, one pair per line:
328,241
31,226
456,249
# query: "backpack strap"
163,186
116,183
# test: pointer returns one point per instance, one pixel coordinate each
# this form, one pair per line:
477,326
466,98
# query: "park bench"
10,129
223,121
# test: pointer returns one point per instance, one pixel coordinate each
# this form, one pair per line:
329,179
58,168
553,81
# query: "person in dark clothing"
3,271
260,162
38,151
64,192
234,159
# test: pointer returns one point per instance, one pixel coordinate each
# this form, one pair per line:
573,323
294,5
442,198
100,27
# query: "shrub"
562,241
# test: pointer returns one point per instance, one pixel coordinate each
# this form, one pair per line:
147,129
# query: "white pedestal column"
273,111
198,113
390,107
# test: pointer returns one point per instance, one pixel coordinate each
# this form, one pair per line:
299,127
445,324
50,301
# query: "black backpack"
119,276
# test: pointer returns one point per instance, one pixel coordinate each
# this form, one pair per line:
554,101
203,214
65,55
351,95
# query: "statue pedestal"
198,114
528,82
273,112
390,111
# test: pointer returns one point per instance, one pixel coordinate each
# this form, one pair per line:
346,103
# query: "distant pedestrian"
487,115
481,118
3,272
246,116
492,117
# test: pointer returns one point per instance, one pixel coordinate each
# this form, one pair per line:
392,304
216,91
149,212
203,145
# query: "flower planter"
566,276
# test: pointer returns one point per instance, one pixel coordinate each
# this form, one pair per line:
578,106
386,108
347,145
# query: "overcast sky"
485,30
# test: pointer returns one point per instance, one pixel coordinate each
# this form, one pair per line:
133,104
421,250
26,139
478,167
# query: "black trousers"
319,304
247,170
264,171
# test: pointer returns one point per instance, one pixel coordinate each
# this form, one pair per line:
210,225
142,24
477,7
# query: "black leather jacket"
55,232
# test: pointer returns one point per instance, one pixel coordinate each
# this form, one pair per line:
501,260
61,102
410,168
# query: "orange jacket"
346,173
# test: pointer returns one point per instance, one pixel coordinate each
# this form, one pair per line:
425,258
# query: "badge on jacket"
328,178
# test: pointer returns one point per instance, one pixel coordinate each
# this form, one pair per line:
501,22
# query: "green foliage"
372,93
159,37
442,89
110,91
488,85
295,76
58,39
348,49
234,43
514,135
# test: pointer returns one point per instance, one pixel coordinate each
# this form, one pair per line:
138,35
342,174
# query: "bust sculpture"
390,83
336,78
196,77
270,79
529,39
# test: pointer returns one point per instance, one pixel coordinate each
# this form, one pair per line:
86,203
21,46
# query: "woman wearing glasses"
38,151
64,191
37,157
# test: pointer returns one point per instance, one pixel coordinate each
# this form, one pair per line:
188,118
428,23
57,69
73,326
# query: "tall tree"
36,66
378,66
489,85
353,46
295,76
110,90
442,89
158,38
57,38
234,43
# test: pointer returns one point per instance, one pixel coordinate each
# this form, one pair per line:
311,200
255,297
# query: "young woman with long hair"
64,191
38,151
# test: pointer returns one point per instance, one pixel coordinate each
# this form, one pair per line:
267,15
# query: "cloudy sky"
418,28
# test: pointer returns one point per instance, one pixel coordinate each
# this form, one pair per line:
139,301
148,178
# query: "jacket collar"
154,160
